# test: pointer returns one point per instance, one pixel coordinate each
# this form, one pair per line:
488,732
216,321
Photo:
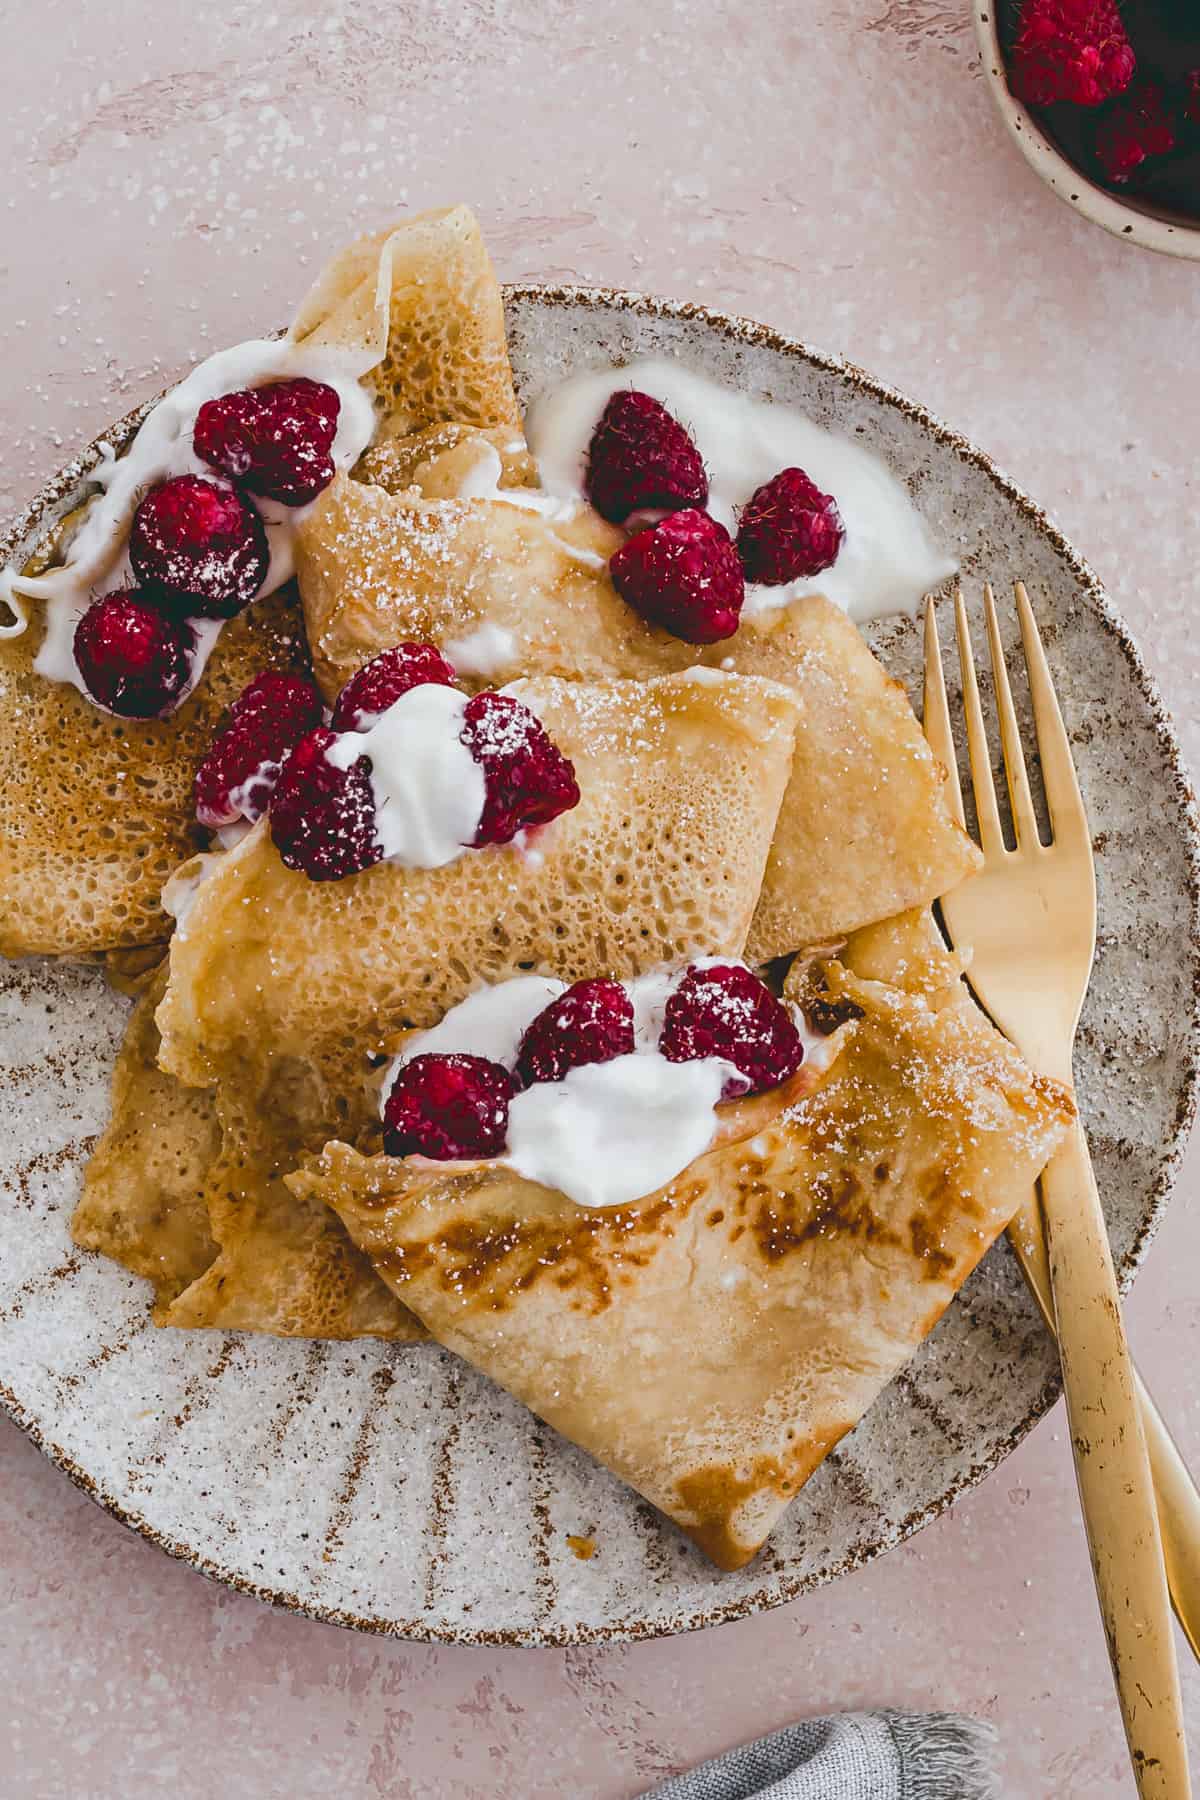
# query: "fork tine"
935,715
991,837
1020,798
1063,799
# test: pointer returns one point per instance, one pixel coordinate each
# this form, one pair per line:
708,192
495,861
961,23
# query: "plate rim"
736,328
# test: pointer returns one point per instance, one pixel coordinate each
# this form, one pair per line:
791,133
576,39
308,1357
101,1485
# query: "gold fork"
1029,920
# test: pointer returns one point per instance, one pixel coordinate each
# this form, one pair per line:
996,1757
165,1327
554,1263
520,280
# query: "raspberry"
641,457
268,719
684,575
1139,127
529,780
591,1023
275,440
788,528
380,683
1074,50
201,544
726,1011
134,660
322,818
448,1107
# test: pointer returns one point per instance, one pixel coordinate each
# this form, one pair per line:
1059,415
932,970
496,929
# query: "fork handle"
1178,1502
1176,1496
1113,1472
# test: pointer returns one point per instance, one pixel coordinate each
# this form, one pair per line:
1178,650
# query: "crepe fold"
712,1342
420,302
143,1201
279,989
865,830
96,812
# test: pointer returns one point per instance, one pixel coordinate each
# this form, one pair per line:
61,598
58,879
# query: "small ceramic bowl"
1136,223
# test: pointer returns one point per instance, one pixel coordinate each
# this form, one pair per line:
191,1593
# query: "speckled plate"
394,1489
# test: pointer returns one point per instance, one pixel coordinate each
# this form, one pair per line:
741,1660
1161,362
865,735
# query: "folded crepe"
143,1199
865,830
712,1342
680,782
421,299
96,811
280,988
167,1184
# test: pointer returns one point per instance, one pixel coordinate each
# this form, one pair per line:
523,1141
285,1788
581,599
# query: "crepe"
680,781
281,988
95,812
712,1342
168,1184
865,830
143,1202
421,300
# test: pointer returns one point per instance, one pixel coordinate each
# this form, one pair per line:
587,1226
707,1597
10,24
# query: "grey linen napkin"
851,1756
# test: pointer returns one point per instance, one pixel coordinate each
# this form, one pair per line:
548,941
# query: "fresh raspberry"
275,440
591,1023
134,660
641,457
201,544
788,528
684,575
529,780
269,717
448,1107
1140,126
322,818
1074,50
380,683
726,1011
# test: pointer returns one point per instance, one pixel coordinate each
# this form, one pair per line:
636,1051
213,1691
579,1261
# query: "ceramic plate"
394,1489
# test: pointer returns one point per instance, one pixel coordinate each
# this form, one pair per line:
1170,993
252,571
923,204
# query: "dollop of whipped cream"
888,560
97,558
608,1133
428,789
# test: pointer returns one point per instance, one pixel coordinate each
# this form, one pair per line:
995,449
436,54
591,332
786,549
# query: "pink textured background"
173,175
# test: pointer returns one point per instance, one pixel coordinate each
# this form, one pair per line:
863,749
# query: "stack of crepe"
774,793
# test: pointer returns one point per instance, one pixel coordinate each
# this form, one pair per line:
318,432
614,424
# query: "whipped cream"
482,482
97,557
887,561
483,651
608,1133
490,1022
429,791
